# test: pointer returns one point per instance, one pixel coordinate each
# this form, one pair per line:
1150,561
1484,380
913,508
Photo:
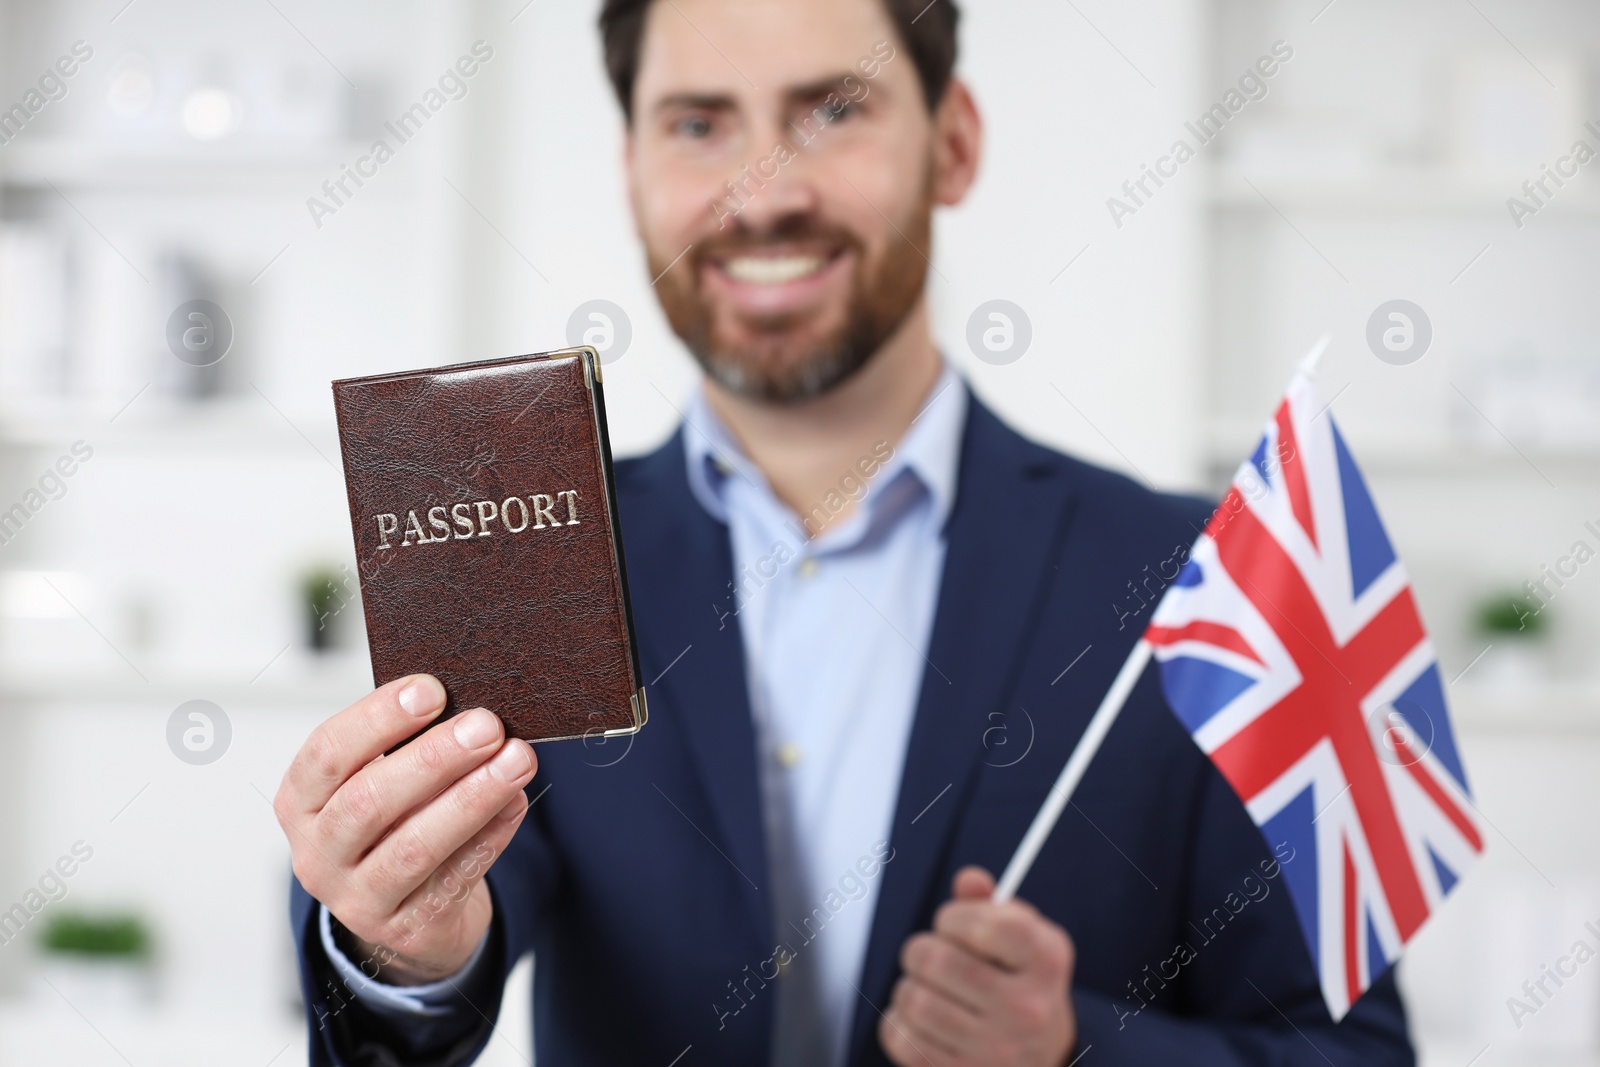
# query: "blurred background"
173,525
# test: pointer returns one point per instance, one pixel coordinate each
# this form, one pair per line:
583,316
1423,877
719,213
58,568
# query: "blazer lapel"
1010,516
694,679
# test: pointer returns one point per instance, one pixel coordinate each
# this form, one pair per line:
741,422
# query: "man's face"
783,278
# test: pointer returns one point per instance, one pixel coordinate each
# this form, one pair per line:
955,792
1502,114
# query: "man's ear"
957,144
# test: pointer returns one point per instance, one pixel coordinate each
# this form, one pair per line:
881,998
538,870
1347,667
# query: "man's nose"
775,185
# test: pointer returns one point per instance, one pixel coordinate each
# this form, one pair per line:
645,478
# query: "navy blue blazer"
628,880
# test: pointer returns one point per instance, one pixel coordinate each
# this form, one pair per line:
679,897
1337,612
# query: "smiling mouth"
773,270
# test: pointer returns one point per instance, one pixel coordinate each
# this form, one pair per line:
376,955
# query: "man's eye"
831,112
696,126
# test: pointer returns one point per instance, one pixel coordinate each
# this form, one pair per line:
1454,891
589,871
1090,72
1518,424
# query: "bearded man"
850,581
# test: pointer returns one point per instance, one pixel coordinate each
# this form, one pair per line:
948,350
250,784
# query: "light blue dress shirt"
835,617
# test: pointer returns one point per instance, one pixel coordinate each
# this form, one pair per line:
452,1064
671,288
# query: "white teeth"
771,270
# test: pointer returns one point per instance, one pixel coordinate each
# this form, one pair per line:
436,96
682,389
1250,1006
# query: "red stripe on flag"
1294,473
1202,630
1232,503
1413,763
1388,638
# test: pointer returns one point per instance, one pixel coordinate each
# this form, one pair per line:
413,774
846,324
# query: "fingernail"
512,762
476,728
423,696
516,807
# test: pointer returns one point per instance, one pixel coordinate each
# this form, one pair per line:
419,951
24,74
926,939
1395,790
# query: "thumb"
973,883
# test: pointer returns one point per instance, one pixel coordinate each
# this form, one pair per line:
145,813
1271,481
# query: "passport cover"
485,523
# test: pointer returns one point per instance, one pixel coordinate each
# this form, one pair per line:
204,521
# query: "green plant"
1511,614
105,936
323,592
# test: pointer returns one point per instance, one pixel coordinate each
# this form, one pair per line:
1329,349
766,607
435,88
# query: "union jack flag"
1292,649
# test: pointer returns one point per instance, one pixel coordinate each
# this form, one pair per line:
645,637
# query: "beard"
786,362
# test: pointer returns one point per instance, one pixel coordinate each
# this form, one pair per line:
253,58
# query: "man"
876,621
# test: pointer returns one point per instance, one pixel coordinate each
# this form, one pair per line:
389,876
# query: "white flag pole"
1308,366
1060,793
1089,744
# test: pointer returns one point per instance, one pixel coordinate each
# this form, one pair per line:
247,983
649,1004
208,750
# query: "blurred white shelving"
1380,169
1404,451
51,1033
288,680
193,525
72,163
1561,707
1456,1055
246,420
1410,192
42,1031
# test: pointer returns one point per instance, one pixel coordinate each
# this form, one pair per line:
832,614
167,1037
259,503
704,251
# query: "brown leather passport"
486,531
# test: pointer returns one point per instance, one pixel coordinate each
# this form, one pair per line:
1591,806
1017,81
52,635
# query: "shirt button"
808,567
722,465
788,754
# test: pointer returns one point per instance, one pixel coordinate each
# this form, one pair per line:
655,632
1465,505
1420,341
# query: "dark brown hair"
928,31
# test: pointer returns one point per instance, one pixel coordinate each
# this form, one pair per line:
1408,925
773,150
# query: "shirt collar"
930,449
